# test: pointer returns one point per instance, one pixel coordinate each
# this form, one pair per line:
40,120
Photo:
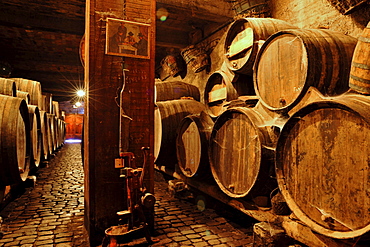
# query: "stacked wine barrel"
174,101
25,129
299,124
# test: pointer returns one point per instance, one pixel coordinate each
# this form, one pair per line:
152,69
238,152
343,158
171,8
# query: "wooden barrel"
24,95
63,115
322,165
51,132
244,38
172,65
192,145
175,90
293,60
33,88
44,132
15,140
239,156
36,135
56,133
8,87
218,91
170,114
196,58
56,109
60,133
360,68
47,102
222,88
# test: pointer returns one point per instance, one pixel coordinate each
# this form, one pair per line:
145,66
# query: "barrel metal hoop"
361,65
360,79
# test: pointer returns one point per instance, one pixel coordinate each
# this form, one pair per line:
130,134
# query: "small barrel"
175,90
291,61
218,91
8,87
24,95
192,145
240,159
322,165
44,132
172,65
196,58
360,68
170,114
222,88
36,135
244,38
15,140
33,88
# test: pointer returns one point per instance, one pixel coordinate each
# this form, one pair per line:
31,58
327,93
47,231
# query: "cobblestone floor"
51,213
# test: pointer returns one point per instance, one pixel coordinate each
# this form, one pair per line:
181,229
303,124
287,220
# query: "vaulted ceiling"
40,39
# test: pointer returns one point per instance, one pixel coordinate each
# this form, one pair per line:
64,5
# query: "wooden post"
104,189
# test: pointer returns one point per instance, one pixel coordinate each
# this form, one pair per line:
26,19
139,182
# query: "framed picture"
127,38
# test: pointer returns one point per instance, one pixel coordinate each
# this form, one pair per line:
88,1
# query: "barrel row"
307,129
28,134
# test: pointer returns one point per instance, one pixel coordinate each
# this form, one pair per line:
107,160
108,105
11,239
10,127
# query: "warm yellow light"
80,93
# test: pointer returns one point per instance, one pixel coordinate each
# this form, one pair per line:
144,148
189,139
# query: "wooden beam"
16,17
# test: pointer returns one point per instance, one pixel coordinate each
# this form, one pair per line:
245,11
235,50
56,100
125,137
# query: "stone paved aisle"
51,213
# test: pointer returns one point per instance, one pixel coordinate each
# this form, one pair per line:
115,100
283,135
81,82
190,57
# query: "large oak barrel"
51,132
360,69
15,140
36,135
61,132
293,60
322,165
24,95
56,109
44,132
47,99
33,88
175,90
170,114
192,145
239,156
244,38
8,87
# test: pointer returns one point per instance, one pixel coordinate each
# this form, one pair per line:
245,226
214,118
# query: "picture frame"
127,38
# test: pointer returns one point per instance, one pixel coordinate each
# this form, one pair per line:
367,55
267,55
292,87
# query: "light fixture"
78,104
81,93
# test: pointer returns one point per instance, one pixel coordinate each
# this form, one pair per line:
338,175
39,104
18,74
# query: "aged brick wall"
320,13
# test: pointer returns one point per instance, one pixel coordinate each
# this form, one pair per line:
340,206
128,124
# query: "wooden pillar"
104,189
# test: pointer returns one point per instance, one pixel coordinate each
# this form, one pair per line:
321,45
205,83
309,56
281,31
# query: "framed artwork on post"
127,38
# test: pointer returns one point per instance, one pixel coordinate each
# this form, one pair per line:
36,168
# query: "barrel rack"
292,226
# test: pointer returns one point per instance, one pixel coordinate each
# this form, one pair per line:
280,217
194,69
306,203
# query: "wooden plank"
211,189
